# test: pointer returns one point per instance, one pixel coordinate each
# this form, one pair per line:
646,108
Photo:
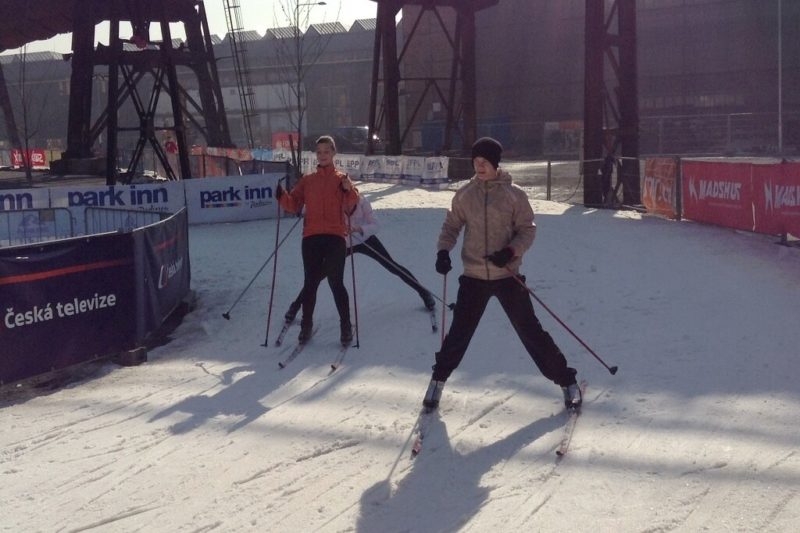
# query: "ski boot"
305,331
433,395
572,396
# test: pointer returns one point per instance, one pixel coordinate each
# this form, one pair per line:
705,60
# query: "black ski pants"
473,296
323,256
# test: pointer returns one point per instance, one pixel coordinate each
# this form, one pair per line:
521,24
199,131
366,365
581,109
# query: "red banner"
36,156
718,193
280,140
658,186
776,198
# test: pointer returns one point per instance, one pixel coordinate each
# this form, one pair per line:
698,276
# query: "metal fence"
27,226
102,220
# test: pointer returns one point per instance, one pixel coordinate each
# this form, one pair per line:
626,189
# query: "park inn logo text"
234,196
701,189
114,197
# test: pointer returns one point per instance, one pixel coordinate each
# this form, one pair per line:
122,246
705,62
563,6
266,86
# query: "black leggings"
323,257
378,252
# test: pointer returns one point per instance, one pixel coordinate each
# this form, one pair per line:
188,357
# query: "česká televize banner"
658,186
718,193
776,197
64,303
164,252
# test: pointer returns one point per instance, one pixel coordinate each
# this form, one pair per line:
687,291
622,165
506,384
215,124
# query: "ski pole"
353,269
611,369
227,314
274,268
444,307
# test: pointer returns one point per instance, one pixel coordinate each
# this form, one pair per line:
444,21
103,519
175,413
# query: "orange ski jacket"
325,201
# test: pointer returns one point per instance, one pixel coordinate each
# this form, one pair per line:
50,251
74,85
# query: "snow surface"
697,432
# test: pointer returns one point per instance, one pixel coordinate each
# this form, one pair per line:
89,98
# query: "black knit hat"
489,149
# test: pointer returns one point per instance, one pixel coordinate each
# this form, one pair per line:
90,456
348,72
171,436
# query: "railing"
103,219
28,226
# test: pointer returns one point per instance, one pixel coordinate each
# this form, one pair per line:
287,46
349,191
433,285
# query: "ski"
434,321
569,427
297,349
422,429
286,325
337,362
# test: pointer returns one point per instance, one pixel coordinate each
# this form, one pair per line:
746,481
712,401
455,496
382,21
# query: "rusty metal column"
8,113
629,102
115,46
469,84
80,85
174,93
205,68
376,74
593,99
391,78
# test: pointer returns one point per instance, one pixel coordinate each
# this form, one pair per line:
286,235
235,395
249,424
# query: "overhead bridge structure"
140,69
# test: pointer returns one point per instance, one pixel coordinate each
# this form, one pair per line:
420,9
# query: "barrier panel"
776,198
65,302
659,186
718,193
212,200
163,271
75,300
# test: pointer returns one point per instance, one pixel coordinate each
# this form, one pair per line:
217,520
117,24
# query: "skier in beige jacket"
498,225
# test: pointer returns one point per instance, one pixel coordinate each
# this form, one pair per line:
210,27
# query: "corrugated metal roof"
364,25
327,28
286,32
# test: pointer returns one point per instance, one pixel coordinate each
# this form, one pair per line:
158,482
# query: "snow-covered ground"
697,432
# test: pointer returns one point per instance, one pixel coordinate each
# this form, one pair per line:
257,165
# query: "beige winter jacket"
495,214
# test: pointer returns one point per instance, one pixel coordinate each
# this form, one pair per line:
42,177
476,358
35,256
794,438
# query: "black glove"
443,265
279,192
501,257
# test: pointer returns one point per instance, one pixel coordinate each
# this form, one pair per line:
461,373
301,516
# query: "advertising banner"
391,168
718,193
165,197
64,303
413,170
36,156
776,198
232,198
17,199
164,249
350,164
658,186
435,173
371,168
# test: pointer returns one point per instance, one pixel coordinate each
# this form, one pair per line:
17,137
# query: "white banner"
231,198
166,196
17,199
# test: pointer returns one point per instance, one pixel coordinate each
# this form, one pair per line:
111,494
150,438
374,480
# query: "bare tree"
33,97
295,57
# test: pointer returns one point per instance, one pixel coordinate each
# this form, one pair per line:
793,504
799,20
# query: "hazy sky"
256,15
